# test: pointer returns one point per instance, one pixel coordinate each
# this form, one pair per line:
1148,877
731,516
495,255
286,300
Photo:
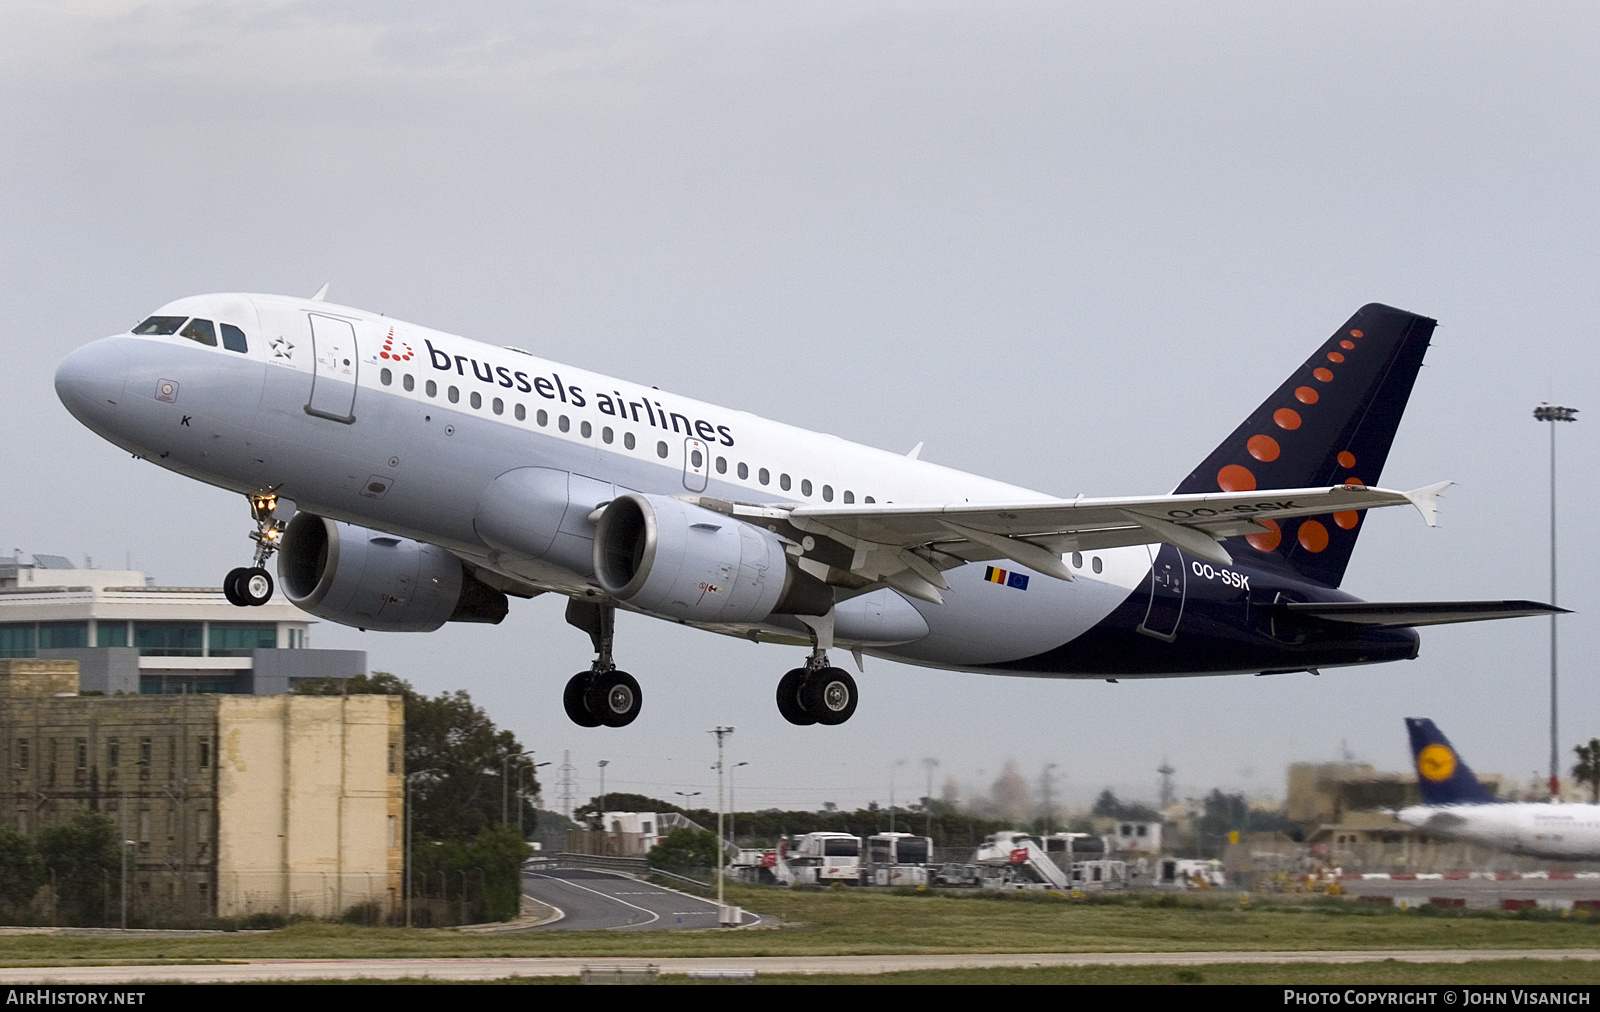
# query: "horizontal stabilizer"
1410,613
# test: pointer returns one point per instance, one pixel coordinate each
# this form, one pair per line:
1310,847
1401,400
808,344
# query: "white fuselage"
1537,829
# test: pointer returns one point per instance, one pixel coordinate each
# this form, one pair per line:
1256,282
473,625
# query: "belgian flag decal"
1005,579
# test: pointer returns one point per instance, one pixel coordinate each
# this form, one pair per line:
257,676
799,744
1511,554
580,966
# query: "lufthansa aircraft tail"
1330,423
1443,778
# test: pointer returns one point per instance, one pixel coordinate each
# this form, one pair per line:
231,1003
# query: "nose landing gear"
817,693
602,695
250,587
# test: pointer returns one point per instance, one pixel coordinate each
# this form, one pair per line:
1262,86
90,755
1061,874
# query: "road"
593,900
260,971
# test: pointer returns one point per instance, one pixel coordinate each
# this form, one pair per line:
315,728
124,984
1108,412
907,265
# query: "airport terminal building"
130,636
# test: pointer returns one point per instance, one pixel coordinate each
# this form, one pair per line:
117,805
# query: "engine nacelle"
371,580
681,561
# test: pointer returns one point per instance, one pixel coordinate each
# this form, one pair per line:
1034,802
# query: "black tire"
572,699
230,588
830,695
254,587
614,698
789,704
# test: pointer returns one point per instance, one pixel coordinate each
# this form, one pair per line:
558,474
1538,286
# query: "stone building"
229,804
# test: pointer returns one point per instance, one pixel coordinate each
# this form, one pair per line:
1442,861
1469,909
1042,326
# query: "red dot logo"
1347,519
1357,333
1287,418
1263,448
1267,541
1347,459
1236,478
1306,395
1347,345
1313,536
1334,356
1325,375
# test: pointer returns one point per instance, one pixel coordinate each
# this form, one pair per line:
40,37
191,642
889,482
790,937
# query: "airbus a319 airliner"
407,477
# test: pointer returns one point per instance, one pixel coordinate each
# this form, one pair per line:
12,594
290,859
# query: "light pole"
898,763
520,768
1047,770
721,733
1551,413
733,809
505,787
125,845
603,764
929,764
408,805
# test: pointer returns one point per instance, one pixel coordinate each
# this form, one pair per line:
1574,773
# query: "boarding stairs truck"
1019,860
898,859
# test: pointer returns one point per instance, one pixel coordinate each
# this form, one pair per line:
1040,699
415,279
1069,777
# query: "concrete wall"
309,804
24,677
102,669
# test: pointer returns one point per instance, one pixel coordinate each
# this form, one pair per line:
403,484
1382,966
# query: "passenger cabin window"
499,406
805,486
627,440
586,429
764,476
606,434
564,423
783,482
477,400
849,496
543,418
522,413
160,326
722,465
454,395
233,339
827,493
744,471
385,377
410,383
432,389
200,331
661,450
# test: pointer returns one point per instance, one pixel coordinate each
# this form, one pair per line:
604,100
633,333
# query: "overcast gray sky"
1068,246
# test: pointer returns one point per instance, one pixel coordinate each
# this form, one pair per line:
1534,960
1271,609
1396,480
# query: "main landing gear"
817,693
602,695
250,587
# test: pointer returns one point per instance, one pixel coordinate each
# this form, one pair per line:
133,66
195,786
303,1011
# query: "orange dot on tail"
1263,448
1347,519
1334,356
1355,481
1347,345
1313,536
1287,418
1357,333
1236,478
1325,375
1267,541
1347,459
1306,395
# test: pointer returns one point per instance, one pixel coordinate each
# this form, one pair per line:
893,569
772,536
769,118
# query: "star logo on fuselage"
281,348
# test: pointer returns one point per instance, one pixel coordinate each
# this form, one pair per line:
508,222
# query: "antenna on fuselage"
322,293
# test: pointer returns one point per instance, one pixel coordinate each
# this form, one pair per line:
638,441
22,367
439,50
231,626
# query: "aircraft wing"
1386,613
907,545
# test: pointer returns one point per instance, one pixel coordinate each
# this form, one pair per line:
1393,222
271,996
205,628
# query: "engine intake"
681,561
371,580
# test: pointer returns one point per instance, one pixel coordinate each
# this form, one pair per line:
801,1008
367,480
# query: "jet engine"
685,562
371,580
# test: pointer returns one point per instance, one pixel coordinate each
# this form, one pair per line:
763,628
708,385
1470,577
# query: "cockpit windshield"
201,331
160,326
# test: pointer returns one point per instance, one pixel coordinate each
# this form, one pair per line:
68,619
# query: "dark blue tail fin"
1442,776
1330,423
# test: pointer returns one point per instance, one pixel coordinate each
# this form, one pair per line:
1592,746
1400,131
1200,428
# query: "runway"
265,971
1485,892
597,900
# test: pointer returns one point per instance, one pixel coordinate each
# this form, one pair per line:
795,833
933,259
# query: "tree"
685,848
464,754
82,852
22,871
1110,806
1587,769
620,801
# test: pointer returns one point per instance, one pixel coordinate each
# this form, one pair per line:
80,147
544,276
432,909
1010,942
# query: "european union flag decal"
992,574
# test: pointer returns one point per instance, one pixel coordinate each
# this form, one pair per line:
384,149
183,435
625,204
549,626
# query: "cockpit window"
233,338
201,331
160,326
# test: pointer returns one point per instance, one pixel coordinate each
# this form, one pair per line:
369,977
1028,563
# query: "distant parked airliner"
426,477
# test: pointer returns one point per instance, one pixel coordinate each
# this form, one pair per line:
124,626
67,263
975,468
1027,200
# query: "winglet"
1426,500
322,293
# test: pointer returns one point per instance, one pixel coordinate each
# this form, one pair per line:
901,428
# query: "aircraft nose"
90,381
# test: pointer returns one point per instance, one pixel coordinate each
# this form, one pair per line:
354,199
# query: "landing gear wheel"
230,587
254,587
829,694
572,699
613,698
789,698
